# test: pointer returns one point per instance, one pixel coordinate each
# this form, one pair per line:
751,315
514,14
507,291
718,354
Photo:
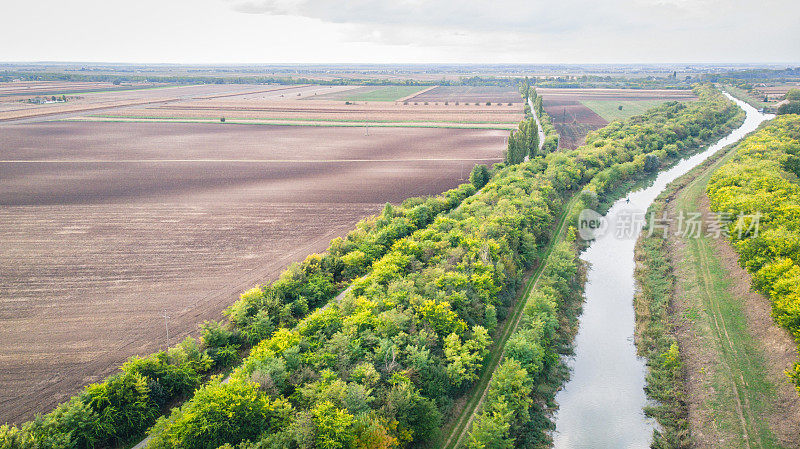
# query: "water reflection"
601,406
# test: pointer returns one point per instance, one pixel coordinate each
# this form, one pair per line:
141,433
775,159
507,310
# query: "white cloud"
530,31
618,30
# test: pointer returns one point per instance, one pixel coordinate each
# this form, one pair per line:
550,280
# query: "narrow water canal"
601,405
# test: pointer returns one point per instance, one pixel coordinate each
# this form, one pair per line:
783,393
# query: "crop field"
14,107
610,110
387,93
104,227
287,106
775,91
576,112
29,89
269,105
470,94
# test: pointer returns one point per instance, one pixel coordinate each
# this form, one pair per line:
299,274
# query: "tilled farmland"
104,227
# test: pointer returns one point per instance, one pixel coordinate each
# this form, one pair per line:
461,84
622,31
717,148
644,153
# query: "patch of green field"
385,93
609,109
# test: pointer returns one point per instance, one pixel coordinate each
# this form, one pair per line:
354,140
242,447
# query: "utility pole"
166,325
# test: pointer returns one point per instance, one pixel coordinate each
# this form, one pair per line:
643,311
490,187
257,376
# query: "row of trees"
792,106
513,413
612,156
550,132
384,367
761,184
145,387
524,141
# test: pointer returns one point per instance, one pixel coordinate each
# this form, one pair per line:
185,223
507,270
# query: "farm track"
458,432
726,354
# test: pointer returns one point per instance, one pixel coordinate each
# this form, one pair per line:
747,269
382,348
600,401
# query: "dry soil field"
335,106
574,119
104,226
14,108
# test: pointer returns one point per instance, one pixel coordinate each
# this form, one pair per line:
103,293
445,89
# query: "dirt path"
455,433
735,355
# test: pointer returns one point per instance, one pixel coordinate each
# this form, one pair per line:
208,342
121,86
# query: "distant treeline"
6,76
754,75
581,81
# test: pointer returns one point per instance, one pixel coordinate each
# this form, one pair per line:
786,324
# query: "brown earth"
105,226
572,120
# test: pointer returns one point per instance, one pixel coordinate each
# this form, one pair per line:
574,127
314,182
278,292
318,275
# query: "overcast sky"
401,31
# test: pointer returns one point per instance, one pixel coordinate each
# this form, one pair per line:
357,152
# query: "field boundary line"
310,123
284,161
417,93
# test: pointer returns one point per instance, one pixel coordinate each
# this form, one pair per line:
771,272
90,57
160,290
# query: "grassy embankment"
748,98
713,314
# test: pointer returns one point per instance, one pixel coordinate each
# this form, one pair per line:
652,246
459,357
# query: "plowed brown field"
104,226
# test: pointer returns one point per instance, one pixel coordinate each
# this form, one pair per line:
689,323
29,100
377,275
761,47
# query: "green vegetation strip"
741,388
317,123
387,93
458,432
655,323
296,119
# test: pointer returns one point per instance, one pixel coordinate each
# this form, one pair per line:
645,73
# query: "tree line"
760,186
113,412
524,141
515,413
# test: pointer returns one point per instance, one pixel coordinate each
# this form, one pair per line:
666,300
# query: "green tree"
479,176
334,427
491,430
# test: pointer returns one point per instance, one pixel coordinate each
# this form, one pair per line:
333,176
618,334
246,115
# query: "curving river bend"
601,405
